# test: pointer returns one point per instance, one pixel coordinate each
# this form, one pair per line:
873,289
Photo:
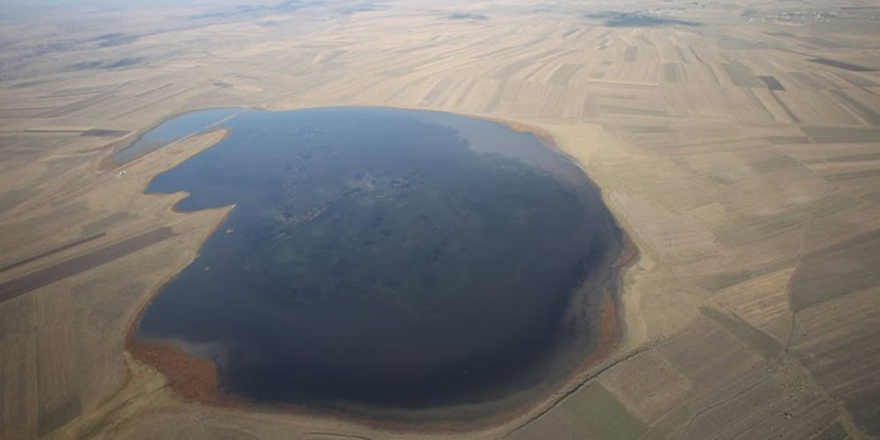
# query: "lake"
381,260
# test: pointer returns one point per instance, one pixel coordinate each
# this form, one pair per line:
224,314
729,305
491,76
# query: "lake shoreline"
195,378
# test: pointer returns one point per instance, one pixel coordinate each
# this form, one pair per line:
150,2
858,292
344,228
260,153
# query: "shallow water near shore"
382,259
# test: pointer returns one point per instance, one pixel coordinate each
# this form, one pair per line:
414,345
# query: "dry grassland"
737,143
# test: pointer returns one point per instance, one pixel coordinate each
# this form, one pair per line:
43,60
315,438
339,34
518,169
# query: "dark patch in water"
381,258
638,19
467,16
115,39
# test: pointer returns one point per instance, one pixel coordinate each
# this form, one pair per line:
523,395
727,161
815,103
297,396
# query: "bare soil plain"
737,143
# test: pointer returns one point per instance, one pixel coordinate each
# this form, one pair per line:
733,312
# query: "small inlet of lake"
385,263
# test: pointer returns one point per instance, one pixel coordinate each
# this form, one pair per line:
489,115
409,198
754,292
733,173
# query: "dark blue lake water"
377,257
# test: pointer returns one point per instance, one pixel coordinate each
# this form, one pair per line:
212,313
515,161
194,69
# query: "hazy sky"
115,3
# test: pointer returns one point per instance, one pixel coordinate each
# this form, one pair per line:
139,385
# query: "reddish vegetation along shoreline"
192,378
610,326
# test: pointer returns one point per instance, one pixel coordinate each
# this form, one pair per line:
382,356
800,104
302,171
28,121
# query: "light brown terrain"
738,143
